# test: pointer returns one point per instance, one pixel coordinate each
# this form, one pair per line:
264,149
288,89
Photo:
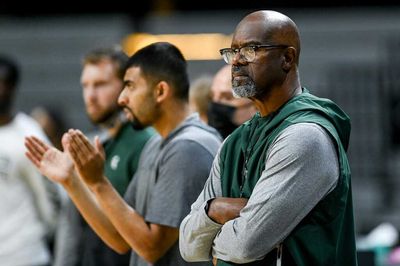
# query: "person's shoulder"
306,128
197,130
25,120
304,136
195,139
200,134
29,126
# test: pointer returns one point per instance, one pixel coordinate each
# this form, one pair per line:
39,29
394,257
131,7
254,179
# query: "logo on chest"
114,162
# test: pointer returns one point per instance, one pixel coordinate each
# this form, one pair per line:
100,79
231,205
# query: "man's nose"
122,98
90,94
238,58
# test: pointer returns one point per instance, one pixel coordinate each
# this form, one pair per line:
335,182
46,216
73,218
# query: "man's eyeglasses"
247,52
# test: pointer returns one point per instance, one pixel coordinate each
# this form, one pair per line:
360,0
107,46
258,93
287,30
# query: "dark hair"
114,54
162,61
9,71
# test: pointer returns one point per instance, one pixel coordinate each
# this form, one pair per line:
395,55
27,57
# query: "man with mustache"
279,190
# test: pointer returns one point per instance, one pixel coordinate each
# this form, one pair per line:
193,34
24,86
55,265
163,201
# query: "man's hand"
54,164
223,209
88,160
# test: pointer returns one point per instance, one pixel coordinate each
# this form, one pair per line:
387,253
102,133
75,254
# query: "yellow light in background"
204,46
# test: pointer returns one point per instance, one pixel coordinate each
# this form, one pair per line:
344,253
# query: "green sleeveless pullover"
326,235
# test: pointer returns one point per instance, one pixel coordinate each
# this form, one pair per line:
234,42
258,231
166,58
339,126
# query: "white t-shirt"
26,212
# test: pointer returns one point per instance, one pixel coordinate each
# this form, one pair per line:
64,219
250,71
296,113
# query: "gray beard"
244,91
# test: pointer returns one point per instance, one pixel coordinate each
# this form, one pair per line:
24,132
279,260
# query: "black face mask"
220,117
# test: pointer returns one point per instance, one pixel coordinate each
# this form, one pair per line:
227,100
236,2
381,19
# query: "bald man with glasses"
279,191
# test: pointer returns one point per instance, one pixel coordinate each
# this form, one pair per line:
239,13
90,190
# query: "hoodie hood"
327,108
308,103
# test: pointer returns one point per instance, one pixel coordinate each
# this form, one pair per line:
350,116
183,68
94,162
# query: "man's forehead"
133,72
103,66
135,75
250,34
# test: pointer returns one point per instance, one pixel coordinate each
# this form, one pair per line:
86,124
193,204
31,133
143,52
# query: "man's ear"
162,91
290,56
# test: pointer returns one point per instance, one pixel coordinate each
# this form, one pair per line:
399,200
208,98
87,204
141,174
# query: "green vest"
326,235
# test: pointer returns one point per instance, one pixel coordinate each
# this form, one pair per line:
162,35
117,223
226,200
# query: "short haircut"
114,54
9,71
162,61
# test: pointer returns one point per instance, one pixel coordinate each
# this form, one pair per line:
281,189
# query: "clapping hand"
88,160
52,163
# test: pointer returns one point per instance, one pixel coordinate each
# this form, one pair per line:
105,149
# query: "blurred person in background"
102,82
52,122
146,222
200,96
28,215
279,192
226,112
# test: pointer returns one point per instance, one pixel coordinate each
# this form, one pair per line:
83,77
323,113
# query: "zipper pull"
279,255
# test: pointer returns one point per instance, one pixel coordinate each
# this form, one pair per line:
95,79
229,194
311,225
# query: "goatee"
246,90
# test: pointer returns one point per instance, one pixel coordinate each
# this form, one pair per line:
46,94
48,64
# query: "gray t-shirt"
170,176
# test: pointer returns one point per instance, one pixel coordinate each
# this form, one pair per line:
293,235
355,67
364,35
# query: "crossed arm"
80,171
222,209
199,229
